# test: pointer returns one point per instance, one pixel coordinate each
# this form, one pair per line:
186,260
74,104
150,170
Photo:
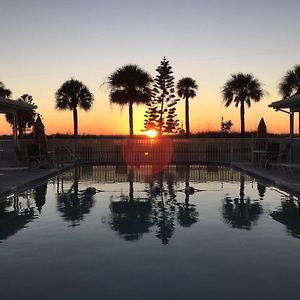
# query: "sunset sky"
45,43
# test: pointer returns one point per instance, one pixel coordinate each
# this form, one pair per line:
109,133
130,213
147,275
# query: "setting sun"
151,133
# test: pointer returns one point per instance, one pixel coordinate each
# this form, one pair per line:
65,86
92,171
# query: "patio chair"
35,157
277,154
284,162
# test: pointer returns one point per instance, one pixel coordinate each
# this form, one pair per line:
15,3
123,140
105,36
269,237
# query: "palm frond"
290,83
73,93
4,92
129,83
242,87
186,87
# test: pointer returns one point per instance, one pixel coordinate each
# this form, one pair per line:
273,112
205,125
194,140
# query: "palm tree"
73,94
4,92
290,83
241,89
186,89
128,85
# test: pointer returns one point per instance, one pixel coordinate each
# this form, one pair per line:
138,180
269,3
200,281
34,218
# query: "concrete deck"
285,179
19,179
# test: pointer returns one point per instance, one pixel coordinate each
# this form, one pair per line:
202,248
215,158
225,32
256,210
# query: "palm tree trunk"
75,120
187,119
131,118
242,116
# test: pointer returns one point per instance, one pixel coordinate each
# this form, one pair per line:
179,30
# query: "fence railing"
146,151
139,151
7,153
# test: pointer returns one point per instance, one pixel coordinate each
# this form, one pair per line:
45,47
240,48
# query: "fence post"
252,149
231,151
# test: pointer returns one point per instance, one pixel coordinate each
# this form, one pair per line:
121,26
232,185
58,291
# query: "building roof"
9,105
292,102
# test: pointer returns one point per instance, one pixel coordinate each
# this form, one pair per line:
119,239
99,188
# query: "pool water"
150,236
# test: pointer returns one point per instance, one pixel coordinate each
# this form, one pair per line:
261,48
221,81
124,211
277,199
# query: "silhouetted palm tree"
241,89
4,92
128,85
186,89
290,83
73,94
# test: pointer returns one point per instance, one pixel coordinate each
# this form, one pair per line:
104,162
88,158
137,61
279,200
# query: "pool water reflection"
184,233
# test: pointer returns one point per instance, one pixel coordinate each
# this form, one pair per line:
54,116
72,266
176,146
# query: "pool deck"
287,180
15,181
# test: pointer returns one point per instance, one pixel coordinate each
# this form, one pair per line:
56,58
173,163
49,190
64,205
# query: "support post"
15,126
291,124
291,134
299,124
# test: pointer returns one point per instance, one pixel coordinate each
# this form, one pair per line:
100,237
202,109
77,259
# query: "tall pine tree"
161,113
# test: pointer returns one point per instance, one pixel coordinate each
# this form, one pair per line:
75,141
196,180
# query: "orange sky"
49,42
205,115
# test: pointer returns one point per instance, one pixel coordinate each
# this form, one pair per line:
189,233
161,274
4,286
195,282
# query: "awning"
9,106
13,106
293,106
292,102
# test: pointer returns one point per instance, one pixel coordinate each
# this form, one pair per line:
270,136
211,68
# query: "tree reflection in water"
289,215
261,190
19,210
131,217
74,204
187,214
40,196
241,213
164,206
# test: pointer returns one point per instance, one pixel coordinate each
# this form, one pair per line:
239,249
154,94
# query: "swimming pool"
149,235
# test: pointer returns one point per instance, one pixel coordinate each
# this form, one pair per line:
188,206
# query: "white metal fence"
141,151
145,151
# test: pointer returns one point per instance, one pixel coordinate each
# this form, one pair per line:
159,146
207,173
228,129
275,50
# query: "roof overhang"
293,103
14,106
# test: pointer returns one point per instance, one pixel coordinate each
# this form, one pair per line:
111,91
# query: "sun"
151,133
